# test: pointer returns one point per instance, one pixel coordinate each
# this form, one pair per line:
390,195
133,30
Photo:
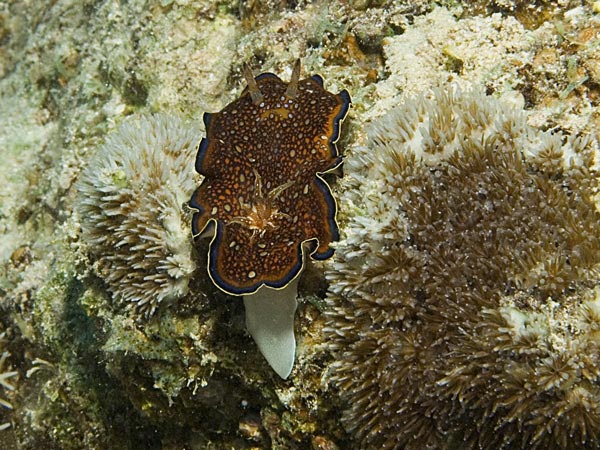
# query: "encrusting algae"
464,305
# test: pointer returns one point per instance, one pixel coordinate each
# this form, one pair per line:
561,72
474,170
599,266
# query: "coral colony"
130,207
263,200
463,307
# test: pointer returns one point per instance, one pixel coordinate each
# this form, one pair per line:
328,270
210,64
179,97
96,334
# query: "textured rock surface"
92,374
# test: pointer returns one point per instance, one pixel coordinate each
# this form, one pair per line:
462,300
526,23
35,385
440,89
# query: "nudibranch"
264,201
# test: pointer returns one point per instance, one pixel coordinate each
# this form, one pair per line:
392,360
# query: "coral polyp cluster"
465,297
7,377
131,199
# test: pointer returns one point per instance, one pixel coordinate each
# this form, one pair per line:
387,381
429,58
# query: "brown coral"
464,305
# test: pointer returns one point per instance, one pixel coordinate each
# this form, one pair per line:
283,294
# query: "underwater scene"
299,225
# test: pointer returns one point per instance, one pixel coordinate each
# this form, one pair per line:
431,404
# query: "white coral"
131,207
5,375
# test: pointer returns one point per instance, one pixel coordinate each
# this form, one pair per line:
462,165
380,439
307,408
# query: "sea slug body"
262,159
263,200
